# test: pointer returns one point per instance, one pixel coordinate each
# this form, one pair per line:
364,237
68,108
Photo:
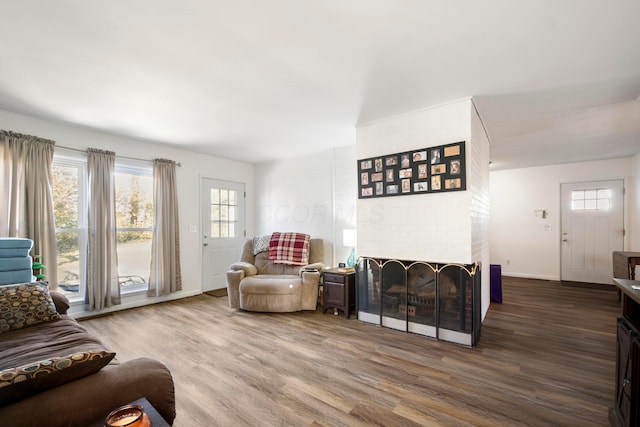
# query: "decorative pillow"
260,244
26,380
25,304
289,248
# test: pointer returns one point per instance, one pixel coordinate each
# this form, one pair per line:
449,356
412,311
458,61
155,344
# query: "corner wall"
313,194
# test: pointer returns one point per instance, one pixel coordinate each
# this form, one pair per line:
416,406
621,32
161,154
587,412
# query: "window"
69,204
224,207
134,222
593,199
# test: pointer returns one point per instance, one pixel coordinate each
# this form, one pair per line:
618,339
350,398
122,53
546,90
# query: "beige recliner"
257,284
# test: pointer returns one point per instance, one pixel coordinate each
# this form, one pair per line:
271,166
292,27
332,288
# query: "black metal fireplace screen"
434,299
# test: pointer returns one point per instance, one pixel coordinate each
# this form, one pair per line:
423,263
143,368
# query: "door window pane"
593,199
224,213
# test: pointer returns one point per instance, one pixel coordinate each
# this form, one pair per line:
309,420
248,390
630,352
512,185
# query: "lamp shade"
350,237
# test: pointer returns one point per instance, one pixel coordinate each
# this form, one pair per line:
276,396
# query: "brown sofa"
257,284
77,396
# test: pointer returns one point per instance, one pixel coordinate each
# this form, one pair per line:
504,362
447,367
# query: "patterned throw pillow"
25,304
23,381
260,244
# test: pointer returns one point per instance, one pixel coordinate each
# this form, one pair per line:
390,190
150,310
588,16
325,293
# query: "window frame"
79,162
141,168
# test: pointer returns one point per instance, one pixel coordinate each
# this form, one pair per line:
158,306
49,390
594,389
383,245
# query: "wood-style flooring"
546,358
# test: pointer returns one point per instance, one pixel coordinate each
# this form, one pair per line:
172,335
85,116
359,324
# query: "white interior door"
223,230
592,228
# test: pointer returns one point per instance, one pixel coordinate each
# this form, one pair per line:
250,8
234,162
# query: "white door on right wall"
592,228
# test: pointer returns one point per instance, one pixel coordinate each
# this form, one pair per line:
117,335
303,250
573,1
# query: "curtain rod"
121,157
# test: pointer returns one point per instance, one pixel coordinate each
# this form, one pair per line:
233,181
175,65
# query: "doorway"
592,228
223,230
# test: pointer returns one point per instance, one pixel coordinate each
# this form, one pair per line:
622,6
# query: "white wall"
313,194
431,227
518,239
194,167
634,205
478,188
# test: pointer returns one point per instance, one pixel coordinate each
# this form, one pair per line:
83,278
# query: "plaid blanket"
289,248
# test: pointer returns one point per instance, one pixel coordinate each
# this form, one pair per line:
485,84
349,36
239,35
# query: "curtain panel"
165,277
26,188
102,260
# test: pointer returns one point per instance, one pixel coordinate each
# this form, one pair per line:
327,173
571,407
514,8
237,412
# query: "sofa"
260,283
54,373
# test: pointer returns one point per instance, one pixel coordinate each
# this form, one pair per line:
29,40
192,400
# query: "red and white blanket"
289,248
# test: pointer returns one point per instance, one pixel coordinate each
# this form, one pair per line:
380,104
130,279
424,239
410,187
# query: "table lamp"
350,240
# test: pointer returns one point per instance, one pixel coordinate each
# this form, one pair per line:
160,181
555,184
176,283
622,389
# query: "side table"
339,291
155,418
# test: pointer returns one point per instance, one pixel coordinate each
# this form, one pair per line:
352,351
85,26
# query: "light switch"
547,227
193,229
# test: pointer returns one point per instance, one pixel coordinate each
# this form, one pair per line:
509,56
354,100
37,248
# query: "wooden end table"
339,291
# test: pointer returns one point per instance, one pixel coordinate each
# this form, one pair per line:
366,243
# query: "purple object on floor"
495,273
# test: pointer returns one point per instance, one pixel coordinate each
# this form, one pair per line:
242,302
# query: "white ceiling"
554,81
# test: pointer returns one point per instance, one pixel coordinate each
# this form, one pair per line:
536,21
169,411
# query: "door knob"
564,240
205,244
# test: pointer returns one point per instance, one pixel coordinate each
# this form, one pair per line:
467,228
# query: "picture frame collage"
426,170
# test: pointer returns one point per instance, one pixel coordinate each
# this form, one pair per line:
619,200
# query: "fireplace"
433,299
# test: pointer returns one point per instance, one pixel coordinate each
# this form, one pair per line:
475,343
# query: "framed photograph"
420,186
406,185
452,150
389,175
438,169
364,178
435,182
421,171
420,156
379,188
454,167
405,173
435,156
452,183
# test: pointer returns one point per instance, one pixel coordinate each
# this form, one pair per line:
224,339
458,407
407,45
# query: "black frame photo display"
425,170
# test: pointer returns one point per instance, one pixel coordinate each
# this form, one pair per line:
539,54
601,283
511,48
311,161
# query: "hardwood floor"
546,358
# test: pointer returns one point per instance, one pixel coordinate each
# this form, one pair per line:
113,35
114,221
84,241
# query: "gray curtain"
26,188
102,263
165,275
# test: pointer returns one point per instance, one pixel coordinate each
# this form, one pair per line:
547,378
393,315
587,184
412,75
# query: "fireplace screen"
432,299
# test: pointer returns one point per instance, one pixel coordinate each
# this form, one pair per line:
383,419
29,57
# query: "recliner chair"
258,284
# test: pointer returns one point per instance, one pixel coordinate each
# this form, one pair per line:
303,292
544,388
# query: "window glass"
68,190
592,199
224,203
134,222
